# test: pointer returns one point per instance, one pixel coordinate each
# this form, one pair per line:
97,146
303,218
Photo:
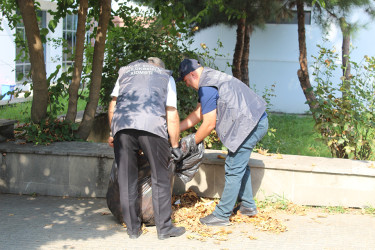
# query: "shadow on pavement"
33,222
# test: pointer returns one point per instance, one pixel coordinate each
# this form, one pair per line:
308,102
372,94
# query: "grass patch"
336,209
276,201
294,135
280,203
369,210
22,111
16,111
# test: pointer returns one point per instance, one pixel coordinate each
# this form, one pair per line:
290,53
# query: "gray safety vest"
238,107
142,99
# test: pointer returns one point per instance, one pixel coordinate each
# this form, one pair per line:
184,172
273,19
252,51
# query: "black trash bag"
144,191
192,158
113,194
187,168
145,199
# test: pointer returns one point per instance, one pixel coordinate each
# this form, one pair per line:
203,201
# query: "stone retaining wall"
81,169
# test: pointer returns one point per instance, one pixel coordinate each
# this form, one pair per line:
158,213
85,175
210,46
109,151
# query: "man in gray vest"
239,116
142,114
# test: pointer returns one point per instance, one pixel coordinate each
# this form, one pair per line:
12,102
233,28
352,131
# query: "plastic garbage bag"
113,194
192,158
145,199
185,170
144,191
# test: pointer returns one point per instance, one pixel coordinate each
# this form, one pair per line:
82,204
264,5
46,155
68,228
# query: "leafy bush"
345,112
47,131
142,36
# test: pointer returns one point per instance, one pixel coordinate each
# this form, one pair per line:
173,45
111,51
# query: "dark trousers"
127,143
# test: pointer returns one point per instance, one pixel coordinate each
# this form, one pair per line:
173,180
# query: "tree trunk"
78,61
246,54
238,50
97,68
38,69
345,29
345,56
303,73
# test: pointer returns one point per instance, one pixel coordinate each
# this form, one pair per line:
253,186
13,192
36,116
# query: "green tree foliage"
144,34
346,122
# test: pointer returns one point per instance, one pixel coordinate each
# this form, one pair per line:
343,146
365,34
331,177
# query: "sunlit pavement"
45,222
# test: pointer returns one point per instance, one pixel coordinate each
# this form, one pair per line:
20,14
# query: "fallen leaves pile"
188,208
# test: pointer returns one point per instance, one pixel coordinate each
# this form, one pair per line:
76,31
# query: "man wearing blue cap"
239,116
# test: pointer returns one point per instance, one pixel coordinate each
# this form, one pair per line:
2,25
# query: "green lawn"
17,111
294,135
21,111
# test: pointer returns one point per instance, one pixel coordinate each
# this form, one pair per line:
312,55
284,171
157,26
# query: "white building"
273,54
53,55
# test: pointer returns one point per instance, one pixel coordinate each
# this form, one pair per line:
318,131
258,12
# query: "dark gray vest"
142,99
238,107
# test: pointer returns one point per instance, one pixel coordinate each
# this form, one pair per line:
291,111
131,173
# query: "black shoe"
249,211
212,220
135,235
173,232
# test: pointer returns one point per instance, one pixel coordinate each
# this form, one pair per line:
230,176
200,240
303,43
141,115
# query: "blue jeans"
237,171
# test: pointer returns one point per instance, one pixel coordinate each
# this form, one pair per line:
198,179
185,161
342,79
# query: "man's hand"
177,154
110,141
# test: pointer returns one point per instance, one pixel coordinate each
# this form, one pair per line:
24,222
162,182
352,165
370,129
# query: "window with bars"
23,65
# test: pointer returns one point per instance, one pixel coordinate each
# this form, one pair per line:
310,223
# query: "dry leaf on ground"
264,152
191,208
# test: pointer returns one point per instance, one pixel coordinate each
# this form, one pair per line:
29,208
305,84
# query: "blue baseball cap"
187,66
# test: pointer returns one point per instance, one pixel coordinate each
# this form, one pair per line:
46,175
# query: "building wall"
8,49
274,56
53,53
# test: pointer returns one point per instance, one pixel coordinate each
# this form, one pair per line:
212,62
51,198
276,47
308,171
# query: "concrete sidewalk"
46,222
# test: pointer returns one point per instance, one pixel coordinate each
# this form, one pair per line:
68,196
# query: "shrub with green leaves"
48,131
345,112
142,35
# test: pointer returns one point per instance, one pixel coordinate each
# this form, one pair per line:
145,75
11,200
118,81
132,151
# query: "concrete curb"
81,169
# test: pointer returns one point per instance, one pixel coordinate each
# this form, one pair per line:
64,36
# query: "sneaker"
212,220
173,232
249,211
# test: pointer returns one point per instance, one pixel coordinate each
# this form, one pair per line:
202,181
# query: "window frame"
23,65
70,23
